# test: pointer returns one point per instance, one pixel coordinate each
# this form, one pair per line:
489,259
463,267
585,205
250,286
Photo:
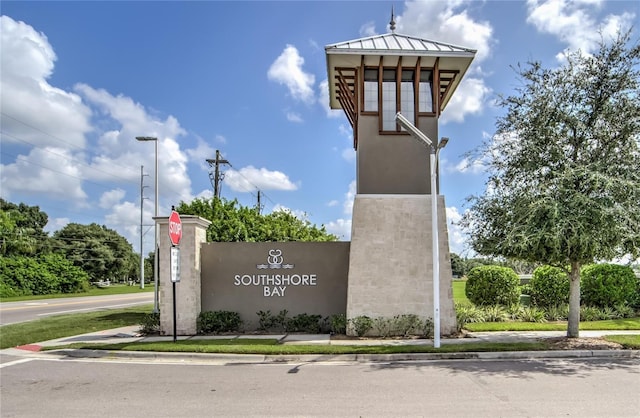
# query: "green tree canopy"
22,229
564,165
98,250
233,222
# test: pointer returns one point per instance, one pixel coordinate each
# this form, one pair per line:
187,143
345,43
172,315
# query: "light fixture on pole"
155,226
434,151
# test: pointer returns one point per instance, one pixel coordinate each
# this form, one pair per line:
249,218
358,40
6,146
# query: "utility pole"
142,186
259,203
217,176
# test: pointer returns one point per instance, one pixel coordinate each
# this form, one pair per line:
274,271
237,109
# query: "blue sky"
80,80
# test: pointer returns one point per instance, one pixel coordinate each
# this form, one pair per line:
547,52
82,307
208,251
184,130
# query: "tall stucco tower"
371,79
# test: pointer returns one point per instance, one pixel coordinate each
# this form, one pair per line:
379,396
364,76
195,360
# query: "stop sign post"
175,235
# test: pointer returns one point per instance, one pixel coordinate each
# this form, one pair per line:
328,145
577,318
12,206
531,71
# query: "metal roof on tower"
388,49
397,44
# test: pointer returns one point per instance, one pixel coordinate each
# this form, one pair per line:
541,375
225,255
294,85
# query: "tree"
233,222
98,250
457,265
564,167
22,229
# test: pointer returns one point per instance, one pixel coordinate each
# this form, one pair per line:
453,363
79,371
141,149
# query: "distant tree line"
34,262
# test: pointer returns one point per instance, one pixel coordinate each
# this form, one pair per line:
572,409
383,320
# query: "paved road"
13,312
466,388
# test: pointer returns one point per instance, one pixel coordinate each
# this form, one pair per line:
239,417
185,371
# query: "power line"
216,178
71,159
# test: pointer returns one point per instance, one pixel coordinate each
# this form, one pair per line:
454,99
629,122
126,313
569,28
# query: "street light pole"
155,225
141,227
433,173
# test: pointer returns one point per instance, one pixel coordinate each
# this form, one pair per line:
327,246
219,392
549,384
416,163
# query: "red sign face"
175,228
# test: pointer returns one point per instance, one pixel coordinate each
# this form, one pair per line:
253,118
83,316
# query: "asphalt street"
14,312
68,387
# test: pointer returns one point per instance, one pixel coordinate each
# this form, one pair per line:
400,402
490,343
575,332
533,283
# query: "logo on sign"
274,261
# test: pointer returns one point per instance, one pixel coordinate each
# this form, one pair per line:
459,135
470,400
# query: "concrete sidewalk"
131,334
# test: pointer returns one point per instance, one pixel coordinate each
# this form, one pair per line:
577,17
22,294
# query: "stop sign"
175,228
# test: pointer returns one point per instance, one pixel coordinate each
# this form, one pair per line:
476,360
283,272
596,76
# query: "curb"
323,358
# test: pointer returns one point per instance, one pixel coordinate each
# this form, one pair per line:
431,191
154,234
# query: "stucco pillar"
391,264
194,233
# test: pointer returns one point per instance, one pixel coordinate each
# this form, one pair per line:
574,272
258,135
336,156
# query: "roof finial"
392,24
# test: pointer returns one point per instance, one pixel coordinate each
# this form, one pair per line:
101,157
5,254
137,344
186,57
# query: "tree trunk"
573,326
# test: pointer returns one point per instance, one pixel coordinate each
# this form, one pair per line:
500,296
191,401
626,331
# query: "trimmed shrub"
266,320
549,286
495,313
607,285
304,323
557,313
361,325
491,285
338,323
382,326
532,314
408,324
214,322
150,323
590,313
466,313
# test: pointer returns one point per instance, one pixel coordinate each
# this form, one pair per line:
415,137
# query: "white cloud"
447,22
368,29
349,197
69,159
469,166
125,217
450,22
287,70
349,154
302,215
575,23
121,154
56,224
333,203
32,110
323,99
469,99
111,198
457,238
249,178
341,228
51,172
294,117
201,153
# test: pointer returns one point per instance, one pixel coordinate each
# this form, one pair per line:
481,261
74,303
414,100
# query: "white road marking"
13,363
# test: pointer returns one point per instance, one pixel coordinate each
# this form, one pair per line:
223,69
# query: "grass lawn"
271,347
458,292
611,325
114,289
68,325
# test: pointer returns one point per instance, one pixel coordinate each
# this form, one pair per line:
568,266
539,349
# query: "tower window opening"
389,90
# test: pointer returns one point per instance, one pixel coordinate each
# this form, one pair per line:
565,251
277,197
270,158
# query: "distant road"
28,310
